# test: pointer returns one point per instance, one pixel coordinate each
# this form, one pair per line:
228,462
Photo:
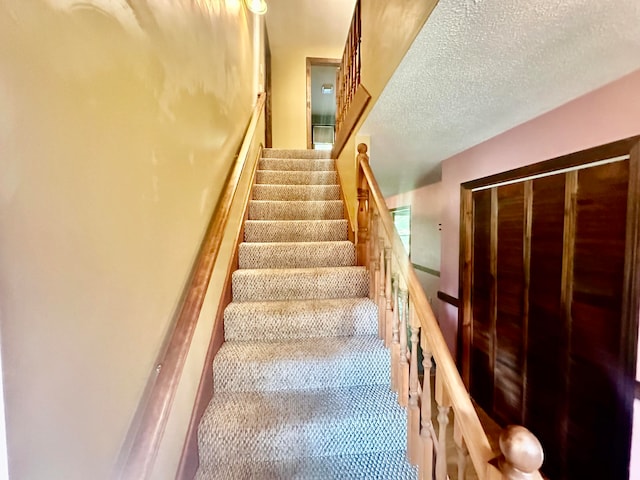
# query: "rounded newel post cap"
522,451
362,148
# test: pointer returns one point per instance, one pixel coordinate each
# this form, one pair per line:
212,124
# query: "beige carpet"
302,380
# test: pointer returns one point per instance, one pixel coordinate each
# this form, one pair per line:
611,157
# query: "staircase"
302,380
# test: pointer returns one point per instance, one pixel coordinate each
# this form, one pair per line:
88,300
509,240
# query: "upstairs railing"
406,323
349,73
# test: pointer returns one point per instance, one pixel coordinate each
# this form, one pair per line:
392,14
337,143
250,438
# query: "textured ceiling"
481,67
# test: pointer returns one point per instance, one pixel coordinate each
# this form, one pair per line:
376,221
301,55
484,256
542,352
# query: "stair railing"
349,72
406,323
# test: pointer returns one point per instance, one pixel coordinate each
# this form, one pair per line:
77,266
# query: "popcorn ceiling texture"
302,381
479,68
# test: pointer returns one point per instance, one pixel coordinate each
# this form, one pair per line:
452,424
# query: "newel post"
522,454
362,249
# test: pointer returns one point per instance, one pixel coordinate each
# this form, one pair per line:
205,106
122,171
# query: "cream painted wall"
176,430
297,30
289,93
115,144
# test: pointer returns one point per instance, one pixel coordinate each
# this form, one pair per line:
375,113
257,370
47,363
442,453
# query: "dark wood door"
549,334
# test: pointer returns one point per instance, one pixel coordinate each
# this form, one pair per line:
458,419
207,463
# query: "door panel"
510,304
547,329
482,292
547,302
596,308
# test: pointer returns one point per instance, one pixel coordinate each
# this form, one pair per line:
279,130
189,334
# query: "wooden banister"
146,432
450,390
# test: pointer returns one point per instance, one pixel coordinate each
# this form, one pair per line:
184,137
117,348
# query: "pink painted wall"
426,211
602,116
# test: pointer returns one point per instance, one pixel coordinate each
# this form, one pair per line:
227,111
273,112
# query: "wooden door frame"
268,129
631,284
316,61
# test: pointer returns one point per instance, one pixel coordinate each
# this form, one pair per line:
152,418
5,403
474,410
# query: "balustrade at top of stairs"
302,382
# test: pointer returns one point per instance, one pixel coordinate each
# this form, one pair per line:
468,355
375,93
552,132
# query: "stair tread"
298,349
300,319
293,424
268,191
296,209
297,271
295,153
309,363
301,164
364,466
299,283
254,255
296,177
291,230
319,244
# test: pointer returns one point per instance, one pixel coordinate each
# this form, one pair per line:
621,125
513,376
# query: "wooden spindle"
388,316
403,371
363,210
373,252
461,448
444,404
522,454
413,415
395,335
381,300
426,436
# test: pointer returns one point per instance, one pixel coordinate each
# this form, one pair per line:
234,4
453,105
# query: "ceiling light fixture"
259,7
327,88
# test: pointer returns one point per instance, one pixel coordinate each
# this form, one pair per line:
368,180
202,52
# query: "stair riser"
296,164
296,192
269,210
346,370
295,231
296,255
280,153
274,177
349,436
280,320
299,284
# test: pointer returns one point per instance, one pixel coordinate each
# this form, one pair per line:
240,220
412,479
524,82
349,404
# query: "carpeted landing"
302,380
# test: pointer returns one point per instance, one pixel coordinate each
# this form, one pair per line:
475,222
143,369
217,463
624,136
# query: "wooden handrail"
145,434
446,298
450,389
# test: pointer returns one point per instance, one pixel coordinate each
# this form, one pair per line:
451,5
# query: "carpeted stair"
302,380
